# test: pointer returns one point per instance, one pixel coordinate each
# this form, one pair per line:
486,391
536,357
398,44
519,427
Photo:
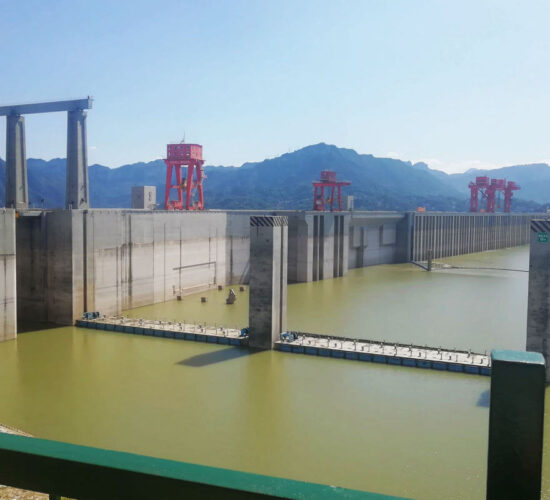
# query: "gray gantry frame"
77,191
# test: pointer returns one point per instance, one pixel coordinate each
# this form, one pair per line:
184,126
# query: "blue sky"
457,84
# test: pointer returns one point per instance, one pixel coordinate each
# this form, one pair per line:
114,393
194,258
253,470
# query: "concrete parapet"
538,308
268,280
516,421
8,311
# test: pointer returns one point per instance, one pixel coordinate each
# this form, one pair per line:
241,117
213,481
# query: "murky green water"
401,431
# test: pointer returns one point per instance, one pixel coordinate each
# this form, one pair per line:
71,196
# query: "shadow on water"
484,399
210,358
25,326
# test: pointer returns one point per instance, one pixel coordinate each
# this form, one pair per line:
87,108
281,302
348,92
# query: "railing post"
516,419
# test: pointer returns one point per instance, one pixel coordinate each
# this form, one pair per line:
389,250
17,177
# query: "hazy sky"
457,84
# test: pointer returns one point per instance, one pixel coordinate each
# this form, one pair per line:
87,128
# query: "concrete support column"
17,190
516,420
77,192
268,280
8,306
538,307
405,238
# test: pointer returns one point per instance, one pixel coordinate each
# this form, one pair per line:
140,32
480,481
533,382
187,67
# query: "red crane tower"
508,193
489,189
497,185
328,180
177,156
480,184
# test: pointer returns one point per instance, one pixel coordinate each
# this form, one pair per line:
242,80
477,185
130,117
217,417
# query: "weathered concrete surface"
268,280
109,260
373,238
8,312
134,259
538,307
31,266
237,246
17,190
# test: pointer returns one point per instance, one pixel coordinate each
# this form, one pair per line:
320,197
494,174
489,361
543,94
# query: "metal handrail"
82,472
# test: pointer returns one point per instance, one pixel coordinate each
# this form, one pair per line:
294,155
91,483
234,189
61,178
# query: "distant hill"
285,182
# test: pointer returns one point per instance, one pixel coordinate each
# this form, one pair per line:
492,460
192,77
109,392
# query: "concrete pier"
516,425
8,312
538,307
17,190
77,192
268,280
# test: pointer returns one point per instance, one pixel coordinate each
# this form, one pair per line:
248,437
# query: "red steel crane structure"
489,189
328,180
508,193
186,187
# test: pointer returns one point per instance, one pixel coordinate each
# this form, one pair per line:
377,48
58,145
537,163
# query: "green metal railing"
63,469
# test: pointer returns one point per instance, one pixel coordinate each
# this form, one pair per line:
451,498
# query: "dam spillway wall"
8,295
450,234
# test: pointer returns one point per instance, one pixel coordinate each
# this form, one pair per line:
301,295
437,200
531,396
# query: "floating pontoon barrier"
384,352
165,329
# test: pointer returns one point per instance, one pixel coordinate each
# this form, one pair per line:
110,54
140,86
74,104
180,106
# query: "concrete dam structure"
56,264
446,235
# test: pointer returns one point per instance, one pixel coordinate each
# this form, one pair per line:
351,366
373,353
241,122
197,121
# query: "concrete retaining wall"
110,260
376,238
136,259
456,234
8,313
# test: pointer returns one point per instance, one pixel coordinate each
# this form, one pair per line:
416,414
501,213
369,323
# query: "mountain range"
285,182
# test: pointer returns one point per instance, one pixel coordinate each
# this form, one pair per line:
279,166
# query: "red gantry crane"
508,193
328,180
187,186
489,189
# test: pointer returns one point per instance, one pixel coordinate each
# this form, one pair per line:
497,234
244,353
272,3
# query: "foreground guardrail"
83,472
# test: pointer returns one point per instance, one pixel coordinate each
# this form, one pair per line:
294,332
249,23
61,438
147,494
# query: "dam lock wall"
447,235
56,264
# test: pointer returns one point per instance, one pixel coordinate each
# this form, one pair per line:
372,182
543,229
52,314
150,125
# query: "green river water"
402,431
